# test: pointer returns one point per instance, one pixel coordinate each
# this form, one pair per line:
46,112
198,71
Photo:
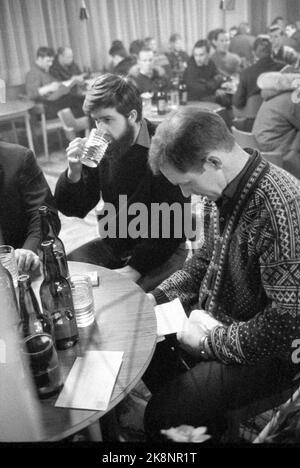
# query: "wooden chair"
72,125
47,126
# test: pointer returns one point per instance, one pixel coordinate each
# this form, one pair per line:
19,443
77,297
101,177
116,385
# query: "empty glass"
95,147
8,260
83,299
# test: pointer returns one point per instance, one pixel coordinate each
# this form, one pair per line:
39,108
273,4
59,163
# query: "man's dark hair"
263,45
117,49
217,32
45,52
174,37
147,40
276,27
186,137
113,91
136,46
202,43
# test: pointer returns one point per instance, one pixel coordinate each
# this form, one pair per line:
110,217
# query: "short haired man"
240,289
247,86
201,75
63,67
177,56
148,77
115,105
281,52
23,190
121,61
226,62
41,86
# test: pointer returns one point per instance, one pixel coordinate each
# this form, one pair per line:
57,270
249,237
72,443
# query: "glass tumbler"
95,147
83,299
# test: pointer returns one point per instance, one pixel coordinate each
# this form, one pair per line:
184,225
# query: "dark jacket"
202,81
247,85
23,189
63,73
127,175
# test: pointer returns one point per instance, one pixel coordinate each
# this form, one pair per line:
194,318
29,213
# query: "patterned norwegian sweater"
249,277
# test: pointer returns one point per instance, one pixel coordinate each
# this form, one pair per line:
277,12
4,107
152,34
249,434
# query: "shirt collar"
230,191
143,138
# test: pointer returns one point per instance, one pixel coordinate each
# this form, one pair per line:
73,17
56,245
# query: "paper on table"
91,380
170,317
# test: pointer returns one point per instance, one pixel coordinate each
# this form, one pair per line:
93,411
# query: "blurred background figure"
233,31
177,56
226,62
121,62
146,76
42,87
64,67
281,52
160,59
201,75
242,44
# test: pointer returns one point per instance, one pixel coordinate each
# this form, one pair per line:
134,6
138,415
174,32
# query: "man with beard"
123,174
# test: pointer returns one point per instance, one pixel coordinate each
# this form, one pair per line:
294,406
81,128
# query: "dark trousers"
205,394
99,252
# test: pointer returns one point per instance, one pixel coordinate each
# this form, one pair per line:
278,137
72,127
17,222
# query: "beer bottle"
161,100
48,232
32,320
183,95
57,301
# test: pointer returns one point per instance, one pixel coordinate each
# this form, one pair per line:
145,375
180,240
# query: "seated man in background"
281,52
23,189
227,63
42,87
242,44
240,289
63,67
146,76
121,62
115,105
177,56
247,86
201,75
160,60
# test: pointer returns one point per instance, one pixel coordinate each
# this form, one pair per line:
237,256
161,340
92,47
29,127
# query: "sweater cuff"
160,296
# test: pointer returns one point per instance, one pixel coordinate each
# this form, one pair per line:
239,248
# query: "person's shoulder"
14,155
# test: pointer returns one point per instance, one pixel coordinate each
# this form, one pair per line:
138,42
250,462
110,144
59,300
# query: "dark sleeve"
32,85
168,234
197,88
77,199
35,192
239,99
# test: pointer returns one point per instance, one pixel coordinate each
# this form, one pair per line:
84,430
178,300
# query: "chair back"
72,125
244,139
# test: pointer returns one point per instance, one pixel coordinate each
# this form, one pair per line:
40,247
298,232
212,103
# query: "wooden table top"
154,117
17,108
125,321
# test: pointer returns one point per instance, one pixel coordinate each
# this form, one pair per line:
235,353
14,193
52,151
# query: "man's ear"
132,116
215,161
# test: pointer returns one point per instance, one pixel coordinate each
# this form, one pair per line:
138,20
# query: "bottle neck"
47,229
28,302
50,265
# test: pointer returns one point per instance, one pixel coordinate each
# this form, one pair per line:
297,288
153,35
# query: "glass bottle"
183,95
48,232
19,413
161,101
32,320
57,301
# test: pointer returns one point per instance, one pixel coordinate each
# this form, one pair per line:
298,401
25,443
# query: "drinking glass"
83,299
8,260
95,147
43,361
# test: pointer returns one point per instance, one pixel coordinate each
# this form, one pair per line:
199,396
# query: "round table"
12,110
156,118
125,321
